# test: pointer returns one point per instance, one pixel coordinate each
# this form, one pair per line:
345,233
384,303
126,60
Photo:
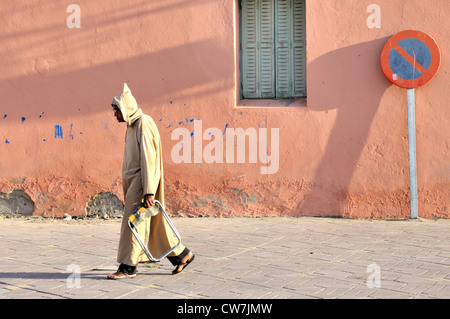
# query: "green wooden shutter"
299,49
283,48
257,49
267,68
290,48
249,49
273,48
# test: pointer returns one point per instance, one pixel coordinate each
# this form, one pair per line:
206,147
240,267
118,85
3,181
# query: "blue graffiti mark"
204,201
245,198
23,119
261,124
189,121
4,116
226,125
170,123
44,140
70,133
42,197
6,141
171,102
58,131
192,134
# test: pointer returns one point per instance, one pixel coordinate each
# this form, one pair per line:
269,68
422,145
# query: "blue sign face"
410,59
418,50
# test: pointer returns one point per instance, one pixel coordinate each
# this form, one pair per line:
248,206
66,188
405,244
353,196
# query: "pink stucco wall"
343,151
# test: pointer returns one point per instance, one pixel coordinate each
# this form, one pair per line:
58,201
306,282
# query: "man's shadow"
47,275
351,83
93,274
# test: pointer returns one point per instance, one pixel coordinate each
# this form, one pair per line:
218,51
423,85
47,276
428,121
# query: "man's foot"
184,262
120,275
124,271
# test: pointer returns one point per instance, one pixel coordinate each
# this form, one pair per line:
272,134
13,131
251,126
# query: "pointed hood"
127,105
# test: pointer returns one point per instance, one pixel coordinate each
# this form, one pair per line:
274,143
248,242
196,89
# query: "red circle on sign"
428,74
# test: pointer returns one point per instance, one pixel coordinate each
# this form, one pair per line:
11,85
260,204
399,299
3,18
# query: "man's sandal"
180,267
120,275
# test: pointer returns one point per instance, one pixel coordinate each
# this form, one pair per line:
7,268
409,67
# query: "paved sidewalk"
236,258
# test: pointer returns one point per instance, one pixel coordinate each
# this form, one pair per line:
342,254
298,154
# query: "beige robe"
142,173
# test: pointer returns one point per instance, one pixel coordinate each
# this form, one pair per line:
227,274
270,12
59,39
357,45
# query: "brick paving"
236,258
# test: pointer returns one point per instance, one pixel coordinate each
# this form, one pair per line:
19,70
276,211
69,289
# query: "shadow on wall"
154,76
350,80
76,72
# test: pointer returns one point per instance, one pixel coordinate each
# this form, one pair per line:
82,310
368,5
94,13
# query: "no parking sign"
411,59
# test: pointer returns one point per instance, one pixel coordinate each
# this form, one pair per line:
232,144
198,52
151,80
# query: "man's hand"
149,200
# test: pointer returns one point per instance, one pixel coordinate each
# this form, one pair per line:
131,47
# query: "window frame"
293,100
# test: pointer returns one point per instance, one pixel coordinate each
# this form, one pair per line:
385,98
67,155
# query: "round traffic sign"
410,59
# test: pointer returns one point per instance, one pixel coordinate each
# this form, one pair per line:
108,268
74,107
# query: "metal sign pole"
411,59
412,152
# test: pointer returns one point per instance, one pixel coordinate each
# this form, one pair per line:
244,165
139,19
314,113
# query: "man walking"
143,181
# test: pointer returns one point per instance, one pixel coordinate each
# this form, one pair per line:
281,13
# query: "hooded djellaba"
143,174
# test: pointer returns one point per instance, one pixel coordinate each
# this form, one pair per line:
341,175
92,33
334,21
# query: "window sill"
294,102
